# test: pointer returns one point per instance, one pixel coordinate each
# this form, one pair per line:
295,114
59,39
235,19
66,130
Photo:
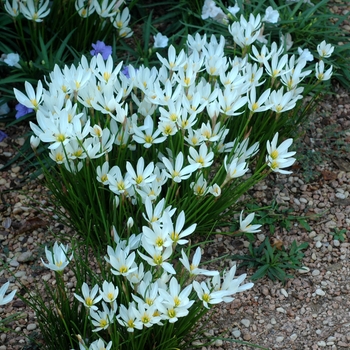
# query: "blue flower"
22,110
2,136
125,71
102,48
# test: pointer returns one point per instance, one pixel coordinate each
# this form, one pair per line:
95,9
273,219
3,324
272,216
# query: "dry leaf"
32,224
328,175
275,242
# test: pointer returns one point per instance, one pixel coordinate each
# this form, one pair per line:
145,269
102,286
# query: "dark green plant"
275,216
338,234
272,262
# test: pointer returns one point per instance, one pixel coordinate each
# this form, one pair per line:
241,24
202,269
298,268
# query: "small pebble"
273,321
218,342
246,335
16,169
315,272
304,269
279,339
31,326
261,237
336,243
321,343
318,244
320,292
245,322
46,277
284,292
293,337
25,257
236,333
280,309
14,263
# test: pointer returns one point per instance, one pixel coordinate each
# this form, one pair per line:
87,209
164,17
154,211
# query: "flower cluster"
153,129
37,11
211,10
150,285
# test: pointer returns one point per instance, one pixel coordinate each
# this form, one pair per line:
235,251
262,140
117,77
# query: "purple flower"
22,110
2,136
102,48
125,71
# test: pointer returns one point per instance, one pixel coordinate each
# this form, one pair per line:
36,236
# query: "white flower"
203,158
286,41
109,292
58,258
279,157
176,172
305,54
210,10
207,296
234,169
82,10
33,99
158,258
98,345
122,263
271,15
245,225
233,9
325,50
106,9
173,62
4,300
193,268
158,236
320,73
145,134
160,41
230,284
102,319
30,10
89,298
146,315
128,317
142,175
12,60
12,9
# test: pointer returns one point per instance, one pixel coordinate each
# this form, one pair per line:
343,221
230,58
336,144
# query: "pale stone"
25,256
293,337
318,244
236,333
304,269
31,327
245,322
320,292
279,339
284,292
